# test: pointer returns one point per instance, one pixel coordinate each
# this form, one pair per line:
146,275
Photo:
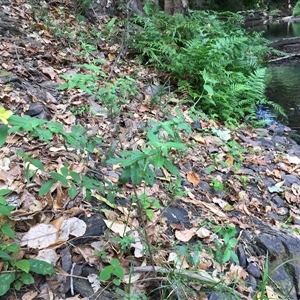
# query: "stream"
284,83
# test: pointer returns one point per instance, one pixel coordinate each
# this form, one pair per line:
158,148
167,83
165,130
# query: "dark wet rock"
267,182
35,109
266,143
66,259
290,179
279,140
83,287
253,270
286,285
246,171
95,228
278,201
251,281
242,256
284,256
205,186
176,215
196,125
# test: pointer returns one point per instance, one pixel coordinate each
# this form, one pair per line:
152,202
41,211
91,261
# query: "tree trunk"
172,7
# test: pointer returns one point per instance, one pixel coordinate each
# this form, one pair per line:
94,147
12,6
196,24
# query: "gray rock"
278,201
83,287
176,215
253,270
284,257
242,256
290,179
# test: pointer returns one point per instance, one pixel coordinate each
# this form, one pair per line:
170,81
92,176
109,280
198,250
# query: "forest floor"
191,231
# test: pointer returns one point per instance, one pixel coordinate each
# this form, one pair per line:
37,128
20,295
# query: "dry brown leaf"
193,178
203,232
117,227
29,295
184,235
199,138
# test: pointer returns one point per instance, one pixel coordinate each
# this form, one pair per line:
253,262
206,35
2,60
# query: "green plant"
16,272
216,65
163,139
148,205
217,185
80,110
114,270
224,251
125,242
95,82
296,9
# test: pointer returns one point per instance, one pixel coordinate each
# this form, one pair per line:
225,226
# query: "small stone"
34,109
242,256
253,270
278,201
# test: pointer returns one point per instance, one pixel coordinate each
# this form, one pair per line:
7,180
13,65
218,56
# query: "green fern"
231,58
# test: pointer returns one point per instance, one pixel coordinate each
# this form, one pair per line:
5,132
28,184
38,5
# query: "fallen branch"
285,57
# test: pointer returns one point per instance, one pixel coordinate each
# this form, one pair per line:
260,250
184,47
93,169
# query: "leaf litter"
50,226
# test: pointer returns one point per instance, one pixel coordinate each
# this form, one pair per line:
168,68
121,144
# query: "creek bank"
262,194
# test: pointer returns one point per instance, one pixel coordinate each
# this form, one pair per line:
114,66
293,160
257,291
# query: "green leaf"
158,160
174,145
171,168
4,255
119,272
106,273
7,230
3,134
75,176
4,192
226,255
72,192
64,171
23,264
41,267
232,243
125,175
136,156
26,278
115,262
46,187
135,174
14,248
208,89
6,209
5,281
35,162
149,214
63,180
17,285
117,281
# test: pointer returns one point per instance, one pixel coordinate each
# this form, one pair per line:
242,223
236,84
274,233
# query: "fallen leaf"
184,235
40,236
72,226
193,178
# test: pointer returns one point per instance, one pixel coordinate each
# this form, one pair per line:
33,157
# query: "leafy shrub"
215,64
296,9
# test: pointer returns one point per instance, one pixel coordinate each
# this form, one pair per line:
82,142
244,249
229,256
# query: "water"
284,89
284,85
275,31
